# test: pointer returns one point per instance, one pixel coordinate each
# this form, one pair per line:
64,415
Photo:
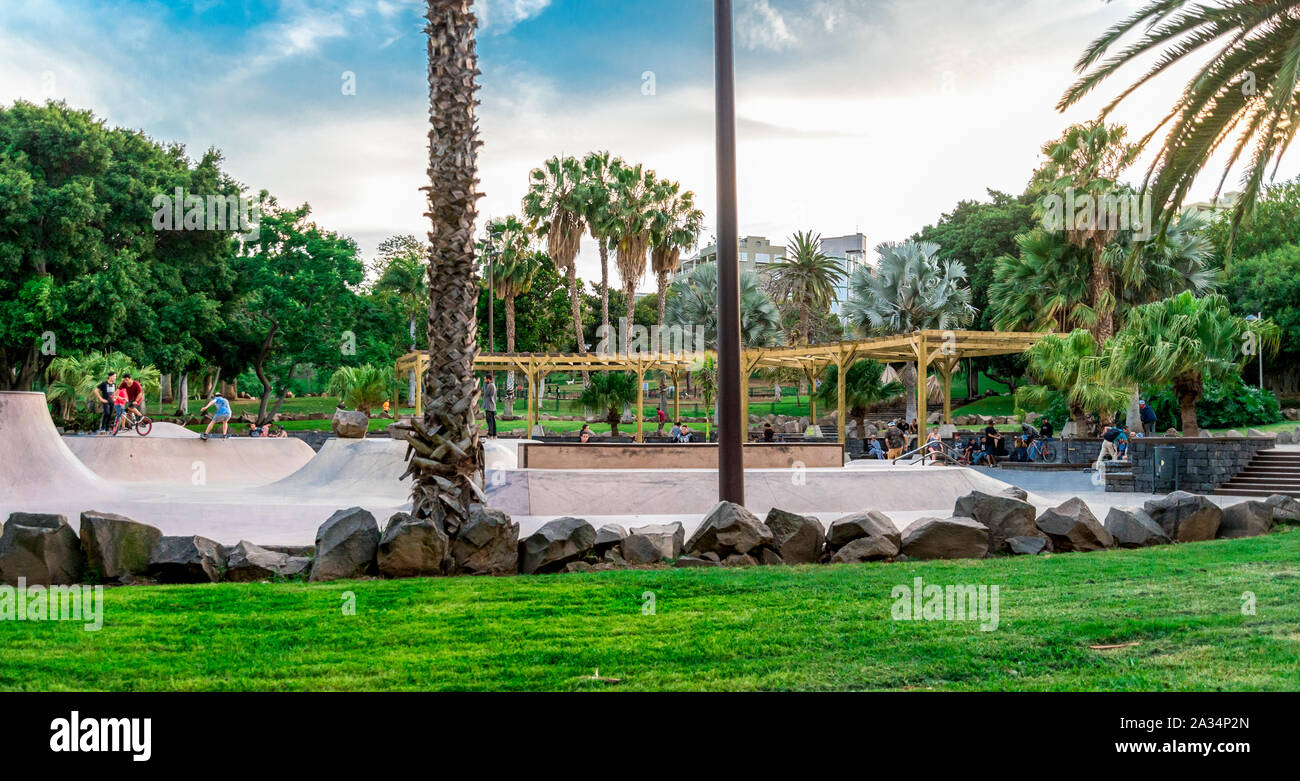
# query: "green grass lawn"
1286,425
809,628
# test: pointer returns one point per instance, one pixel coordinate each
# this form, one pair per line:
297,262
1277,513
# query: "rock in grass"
608,537
1131,527
1003,516
874,548
487,545
42,549
1185,517
412,548
346,546
1072,527
727,530
1246,519
1028,546
247,563
115,545
856,526
799,539
191,559
555,544
669,538
1285,508
946,538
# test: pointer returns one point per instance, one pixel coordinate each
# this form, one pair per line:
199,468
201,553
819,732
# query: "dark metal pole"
731,429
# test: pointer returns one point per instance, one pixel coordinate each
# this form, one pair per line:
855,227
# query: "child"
222,415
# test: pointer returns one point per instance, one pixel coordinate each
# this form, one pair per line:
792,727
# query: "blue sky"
871,115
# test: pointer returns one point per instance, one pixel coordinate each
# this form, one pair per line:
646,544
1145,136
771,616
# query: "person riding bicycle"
222,415
119,408
134,394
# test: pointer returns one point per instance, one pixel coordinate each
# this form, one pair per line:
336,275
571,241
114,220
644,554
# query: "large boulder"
669,538
346,546
798,539
873,548
729,529
1072,527
556,544
946,538
115,545
1246,519
1131,527
608,537
412,547
348,424
247,563
487,545
1004,516
40,548
858,526
639,549
1285,508
1185,517
191,559
1028,546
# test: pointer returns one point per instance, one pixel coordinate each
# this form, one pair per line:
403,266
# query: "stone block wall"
1204,464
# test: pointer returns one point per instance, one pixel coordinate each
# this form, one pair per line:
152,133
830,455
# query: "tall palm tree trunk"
1101,289
577,307
510,347
604,285
663,291
410,379
1188,388
446,455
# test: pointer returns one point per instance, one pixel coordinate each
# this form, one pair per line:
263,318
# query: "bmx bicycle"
1042,449
131,419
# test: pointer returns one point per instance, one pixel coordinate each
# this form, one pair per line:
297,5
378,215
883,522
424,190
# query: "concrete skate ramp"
128,458
162,429
349,468
34,462
693,492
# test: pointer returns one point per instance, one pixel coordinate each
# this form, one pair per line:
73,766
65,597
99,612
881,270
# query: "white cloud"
498,16
759,26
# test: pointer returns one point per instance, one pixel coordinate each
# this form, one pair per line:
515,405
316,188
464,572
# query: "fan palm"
361,387
694,302
1249,84
807,278
609,393
513,267
635,190
910,289
446,452
598,197
554,209
862,388
1072,366
1182,341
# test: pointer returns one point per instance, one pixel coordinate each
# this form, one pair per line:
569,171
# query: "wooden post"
922,391
677,395
420,367
946,378
640,402
811,374
744,402
839,401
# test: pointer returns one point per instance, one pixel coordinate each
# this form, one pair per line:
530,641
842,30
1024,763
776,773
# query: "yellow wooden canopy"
940,349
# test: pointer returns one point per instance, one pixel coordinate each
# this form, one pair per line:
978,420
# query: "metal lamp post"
1252,319
731,429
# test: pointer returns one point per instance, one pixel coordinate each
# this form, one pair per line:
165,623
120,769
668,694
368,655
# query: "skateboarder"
222,415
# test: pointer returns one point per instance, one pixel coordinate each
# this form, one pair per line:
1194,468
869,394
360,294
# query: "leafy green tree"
1183,340
807,278
609,393
1269,283
1247,86
402,268
861,389
296,304
554,208
71,379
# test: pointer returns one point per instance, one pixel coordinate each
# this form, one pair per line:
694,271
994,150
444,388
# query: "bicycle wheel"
1049,453
143,426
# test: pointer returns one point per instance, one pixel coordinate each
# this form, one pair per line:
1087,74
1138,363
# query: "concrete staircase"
1269,472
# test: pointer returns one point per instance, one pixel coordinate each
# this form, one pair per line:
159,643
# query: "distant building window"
763,257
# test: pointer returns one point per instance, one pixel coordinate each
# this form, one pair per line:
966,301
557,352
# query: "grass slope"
817,627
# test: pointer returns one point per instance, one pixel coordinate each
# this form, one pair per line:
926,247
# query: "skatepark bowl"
278,492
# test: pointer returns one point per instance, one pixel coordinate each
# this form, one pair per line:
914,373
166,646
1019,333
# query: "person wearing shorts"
104,393
221,415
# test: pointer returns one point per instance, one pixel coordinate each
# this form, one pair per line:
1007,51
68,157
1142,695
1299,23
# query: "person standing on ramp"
222,415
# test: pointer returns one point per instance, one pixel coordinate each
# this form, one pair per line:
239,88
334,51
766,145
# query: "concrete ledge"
615,455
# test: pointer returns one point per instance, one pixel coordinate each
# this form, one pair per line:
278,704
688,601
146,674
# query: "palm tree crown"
694,302
807,278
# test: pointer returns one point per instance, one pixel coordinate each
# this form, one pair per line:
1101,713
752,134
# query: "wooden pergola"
941,350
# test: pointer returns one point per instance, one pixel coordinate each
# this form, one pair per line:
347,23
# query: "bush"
1227,403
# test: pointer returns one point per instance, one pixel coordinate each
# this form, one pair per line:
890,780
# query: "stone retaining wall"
1204,464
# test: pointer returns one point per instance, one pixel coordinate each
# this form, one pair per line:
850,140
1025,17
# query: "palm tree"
1249,85
910,289
361,387
1072,366
1087,161
1182,341
513,267
554,209
862,388
602,220
694,302
807,278
674,226
404,278
635,191
446,453
609,393
71,379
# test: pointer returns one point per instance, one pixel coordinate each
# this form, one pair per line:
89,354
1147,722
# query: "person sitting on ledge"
874,450
584,434
769,433
685,434
675,433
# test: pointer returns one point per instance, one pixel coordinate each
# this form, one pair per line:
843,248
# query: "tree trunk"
410,377
1101,289
1188,388
663,290
910,380
510,347
576,301
447,486
604,285
183,397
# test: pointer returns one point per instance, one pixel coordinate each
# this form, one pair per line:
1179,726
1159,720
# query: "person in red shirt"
134,394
